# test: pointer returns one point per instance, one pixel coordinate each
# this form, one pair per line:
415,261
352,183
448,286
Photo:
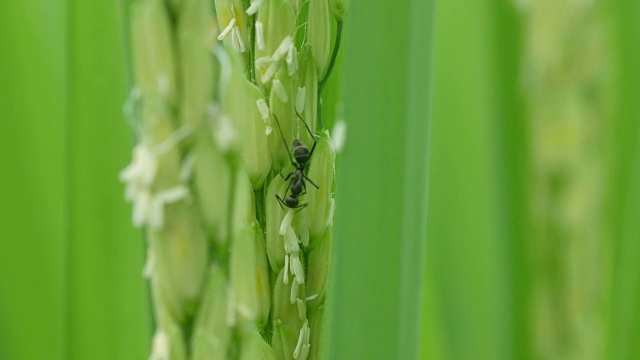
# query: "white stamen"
173,140
149,265
307,335
143,168
295,288
160,346
156,215
291,243
140,175
339,135
253,8
168,196
271,70
280,91
171,195
286,222
130,103
286,48
141,206
312,297
226,30
300,99
302,309
259,35
130,106
301,338
296,266
304,353
282,49
292,59
263,108
236,40
285,278
263,61
332,210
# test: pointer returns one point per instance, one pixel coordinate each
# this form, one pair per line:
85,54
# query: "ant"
297,184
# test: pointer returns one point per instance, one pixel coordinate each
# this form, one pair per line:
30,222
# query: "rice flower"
238,255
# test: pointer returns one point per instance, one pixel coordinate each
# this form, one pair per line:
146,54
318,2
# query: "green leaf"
381,183
32,130
624,195
108,317
467,257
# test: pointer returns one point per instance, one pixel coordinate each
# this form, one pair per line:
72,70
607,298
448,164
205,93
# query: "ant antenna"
283,140
310,133
305,124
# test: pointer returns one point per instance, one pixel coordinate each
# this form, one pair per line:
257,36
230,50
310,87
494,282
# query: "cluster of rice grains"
233,274
566,62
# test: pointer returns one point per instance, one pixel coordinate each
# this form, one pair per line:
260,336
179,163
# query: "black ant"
297,184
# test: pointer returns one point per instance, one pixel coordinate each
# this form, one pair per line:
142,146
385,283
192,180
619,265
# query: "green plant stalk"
233,273
382,182
332,63
467,255
624,193
566,76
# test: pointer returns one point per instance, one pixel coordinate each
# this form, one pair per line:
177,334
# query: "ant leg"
284,141
288,176
313,148
311,181
281,202
300,207
304,187
310,133
288,187
285,194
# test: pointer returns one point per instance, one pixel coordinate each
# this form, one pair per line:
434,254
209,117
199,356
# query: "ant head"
292,201
300,152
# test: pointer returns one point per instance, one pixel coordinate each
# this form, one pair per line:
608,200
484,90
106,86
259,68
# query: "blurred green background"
443,83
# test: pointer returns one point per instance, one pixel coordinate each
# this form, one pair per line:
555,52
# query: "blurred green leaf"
32,113
381,206
468,251
624,195
512,168
71,283
108,316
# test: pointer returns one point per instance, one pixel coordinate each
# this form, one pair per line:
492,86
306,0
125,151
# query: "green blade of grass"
512,167
108,315
32,113
625,187
466,242
382,182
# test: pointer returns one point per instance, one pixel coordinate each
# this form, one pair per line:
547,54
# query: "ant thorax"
297,184
299,156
